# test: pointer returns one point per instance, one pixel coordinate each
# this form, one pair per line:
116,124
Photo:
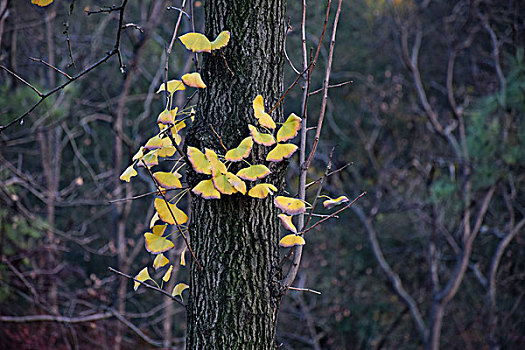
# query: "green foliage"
496,132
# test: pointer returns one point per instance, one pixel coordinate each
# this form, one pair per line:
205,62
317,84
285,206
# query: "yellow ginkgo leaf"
128,173
221,183
196,42
291,240
193,80
153,220
206,189
289,129
253,172
150,159
281,151
182,258
42,3
165,214
158,230
198,160
173,85
179,288
236,182
178,127
139,154
242,151
260,138
261,190
167,149
333,202
222,40
289,205
157,244
167,117
263,117
167,275
153,143
192,114
160,261
168,180
217,167
142,276
286,221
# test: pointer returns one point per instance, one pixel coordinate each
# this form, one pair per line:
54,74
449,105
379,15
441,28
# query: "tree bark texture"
234,300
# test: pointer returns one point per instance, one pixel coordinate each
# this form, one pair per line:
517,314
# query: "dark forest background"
428,106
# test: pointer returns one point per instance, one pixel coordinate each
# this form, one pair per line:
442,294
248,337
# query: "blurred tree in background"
433,123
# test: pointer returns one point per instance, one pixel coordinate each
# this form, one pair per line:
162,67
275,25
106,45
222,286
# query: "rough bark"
233,301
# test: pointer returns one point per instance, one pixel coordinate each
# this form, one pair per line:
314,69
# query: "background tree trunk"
233,301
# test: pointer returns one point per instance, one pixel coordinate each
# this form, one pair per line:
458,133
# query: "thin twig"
178,9
106,9
168,51
305,290
217,135
333,214
289,88
142,195
325,87
66,32
162,291
310,184
116,50
332,86
50,66
22,80
320,188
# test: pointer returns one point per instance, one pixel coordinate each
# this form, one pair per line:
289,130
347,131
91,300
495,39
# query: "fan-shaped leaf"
164,213
289,129
173,85
217,167
193,80
139,154
42,3
286,221
260,138
153,143
242,151
221,183
160,261
157,244
150,159
167,117
168,180
291,240
159,229
198,160
253,172
197,42
261,190
221,41
263,117
179,288
281,151
128,173
142,276
289,205
206,189
236,182
333,202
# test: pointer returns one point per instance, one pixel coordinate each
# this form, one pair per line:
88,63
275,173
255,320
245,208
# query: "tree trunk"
233,301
